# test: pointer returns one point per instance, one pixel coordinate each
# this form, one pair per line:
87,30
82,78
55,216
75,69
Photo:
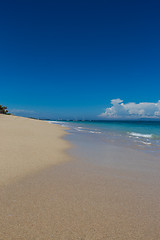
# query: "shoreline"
29,145
139,136
77,199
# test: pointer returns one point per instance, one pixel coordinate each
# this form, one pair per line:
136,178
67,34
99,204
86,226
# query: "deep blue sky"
70,58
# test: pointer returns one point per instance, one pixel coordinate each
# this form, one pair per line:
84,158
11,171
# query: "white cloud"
132,110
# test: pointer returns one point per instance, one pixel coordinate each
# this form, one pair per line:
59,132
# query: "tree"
3,110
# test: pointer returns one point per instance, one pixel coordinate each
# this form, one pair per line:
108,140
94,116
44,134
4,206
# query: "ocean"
139,135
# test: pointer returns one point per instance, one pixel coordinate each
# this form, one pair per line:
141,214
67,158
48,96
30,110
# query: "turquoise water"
142,135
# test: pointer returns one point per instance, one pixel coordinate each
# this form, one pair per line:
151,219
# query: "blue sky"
69,59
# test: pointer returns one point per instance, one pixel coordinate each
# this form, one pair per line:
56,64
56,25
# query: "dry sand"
28,145
77,200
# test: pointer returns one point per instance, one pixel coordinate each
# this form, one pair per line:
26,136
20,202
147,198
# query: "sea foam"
134,134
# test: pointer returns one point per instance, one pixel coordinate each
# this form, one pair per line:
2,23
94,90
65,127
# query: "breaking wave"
134,134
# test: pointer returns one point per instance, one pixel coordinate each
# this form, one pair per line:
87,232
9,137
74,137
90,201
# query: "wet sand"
82,200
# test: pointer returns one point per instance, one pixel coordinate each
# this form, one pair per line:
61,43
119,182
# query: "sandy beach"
28,145
44,196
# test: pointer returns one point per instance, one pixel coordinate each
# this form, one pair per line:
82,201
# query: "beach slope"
28,145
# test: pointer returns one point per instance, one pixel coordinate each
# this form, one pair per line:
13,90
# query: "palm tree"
3,109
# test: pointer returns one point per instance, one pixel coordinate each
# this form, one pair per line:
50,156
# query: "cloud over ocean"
119,109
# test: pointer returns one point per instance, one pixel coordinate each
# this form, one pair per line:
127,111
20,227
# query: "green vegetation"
3,110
